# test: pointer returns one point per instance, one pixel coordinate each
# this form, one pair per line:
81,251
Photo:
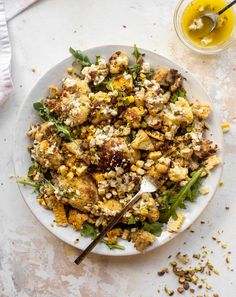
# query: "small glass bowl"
182,4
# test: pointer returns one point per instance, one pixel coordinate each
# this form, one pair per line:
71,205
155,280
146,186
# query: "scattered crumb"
221,183
33,69
184,259
169,292
225,127
227,207
76,240
124,26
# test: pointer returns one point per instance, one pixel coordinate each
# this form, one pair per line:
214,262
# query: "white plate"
22,160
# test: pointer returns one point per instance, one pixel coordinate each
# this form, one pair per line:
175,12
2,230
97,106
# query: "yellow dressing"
198,32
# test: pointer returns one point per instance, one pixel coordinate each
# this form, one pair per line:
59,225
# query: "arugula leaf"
28,183
195,191
80,58
179,198
42,110
176,94
115,246
136,53
46,115
131,220
31,169
149,75
63,131
155,228
97,59
90,231
134,68
109,85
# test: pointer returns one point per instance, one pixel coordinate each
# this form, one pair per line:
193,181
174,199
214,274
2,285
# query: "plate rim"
171,235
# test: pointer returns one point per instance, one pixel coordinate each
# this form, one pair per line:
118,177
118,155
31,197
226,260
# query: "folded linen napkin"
8,9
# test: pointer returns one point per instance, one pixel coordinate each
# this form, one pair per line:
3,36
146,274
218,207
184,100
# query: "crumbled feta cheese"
107,111
127,76
197,24
165,161
206,40
101,63
145,67
102,135
178,173
204,190
69,82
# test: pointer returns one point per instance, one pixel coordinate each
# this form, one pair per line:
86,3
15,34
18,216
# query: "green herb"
136,53
134,68
155,228
42,110
32,169
131,220
195,191
178,199
126,102
149,75
178,93
28,183
90,231
109,85
115,246
97,59
133,135
80,58
63,131
46,115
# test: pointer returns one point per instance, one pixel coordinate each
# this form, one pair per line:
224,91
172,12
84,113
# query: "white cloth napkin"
8,9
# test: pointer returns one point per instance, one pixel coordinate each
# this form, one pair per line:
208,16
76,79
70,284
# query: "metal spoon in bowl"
147,186
213,17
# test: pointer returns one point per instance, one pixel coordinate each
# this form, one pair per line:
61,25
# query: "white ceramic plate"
22,161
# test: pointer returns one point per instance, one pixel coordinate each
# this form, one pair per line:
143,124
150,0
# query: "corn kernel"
62,169
140,163
142,75
89,137
154,155
133,168
81,170
42,202
70,175
140,171
225,127
98,176
161,168
101,191
69,70
143,211
131,99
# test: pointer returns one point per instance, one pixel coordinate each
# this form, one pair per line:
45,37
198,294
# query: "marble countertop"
35,263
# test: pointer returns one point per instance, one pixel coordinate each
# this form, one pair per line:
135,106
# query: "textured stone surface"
35,263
